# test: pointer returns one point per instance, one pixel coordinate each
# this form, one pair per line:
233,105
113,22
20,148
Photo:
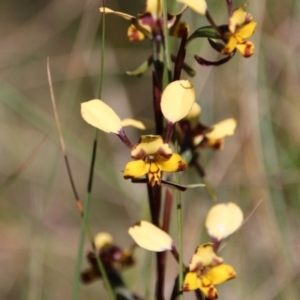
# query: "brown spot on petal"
212,294
134,35
248,18
231,275
140,154
186,288
217,261
197,267
181,165
249,49
163,153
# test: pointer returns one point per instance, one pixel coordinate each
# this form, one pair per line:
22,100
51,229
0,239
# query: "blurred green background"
39,223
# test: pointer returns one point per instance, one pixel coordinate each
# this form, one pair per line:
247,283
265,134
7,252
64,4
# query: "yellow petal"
134,35
198,139
135,169
193,115
222,129
207,288
154,7
190,282
223,219
204,256
102,239
177,100
151,145
247,30
246,48
150,237
174,164
100,115
118,13
198,6
134,123
221,273
230,46
237,19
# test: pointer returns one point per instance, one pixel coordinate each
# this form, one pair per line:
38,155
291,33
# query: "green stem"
212,23
166,40
179,227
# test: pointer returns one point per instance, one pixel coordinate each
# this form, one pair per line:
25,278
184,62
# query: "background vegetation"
39,223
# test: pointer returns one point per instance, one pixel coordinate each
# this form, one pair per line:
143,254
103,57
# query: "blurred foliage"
39,223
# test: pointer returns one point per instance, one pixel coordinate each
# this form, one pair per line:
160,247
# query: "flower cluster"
152,154
206,269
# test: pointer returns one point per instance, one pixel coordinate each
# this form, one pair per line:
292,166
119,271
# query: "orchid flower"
150,23
240,28
206,270
193,134
152,154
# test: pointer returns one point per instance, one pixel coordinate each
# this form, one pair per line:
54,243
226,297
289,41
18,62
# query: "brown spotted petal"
191,282
204,256
151,145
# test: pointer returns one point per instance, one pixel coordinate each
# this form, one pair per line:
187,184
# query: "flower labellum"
177,100
153,156
150,237
100,115
223,219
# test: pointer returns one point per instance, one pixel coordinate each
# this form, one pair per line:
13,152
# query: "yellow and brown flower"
150,23
193,134
206,270
240,28
153,156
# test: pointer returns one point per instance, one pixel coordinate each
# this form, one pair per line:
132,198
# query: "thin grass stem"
76,291
166,41
61,139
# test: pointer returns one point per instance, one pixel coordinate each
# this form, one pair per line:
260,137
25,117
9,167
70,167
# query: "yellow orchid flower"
152,156
206,270
150,23
240,28
193,134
